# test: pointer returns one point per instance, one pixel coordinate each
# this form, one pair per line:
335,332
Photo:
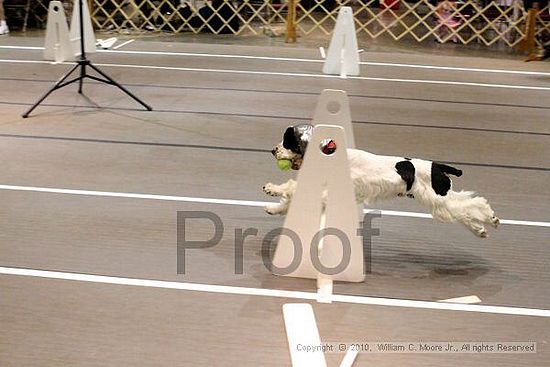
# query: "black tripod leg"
45,95
112,82
82,76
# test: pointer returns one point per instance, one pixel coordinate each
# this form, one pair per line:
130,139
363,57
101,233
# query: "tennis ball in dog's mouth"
284,164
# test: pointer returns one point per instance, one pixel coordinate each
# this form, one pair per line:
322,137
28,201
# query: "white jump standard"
57,44
323,216
342,57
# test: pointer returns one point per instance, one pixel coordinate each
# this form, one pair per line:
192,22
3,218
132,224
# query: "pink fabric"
445,16
450,22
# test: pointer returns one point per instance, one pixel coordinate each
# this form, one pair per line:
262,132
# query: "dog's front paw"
273,209
271,190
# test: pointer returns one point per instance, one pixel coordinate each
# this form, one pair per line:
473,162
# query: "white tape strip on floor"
188,199
269,58
300,75
223,289
123,44
465,299
349,357
301,329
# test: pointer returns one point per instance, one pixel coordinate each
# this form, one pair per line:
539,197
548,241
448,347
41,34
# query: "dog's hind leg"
475,227
463,207
479,210
443,214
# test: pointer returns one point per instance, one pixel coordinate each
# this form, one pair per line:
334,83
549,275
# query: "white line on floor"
188,199
269,58
300,75
364,300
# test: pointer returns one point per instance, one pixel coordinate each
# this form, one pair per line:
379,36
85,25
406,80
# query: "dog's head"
294,144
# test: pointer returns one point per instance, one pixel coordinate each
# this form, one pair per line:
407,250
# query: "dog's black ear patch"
406,170
441,183
290,141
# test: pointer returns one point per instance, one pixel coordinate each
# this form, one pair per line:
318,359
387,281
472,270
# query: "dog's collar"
328,147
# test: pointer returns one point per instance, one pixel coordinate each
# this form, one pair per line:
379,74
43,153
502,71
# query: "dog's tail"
450,170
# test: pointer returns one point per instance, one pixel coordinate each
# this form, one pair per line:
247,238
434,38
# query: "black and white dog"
377,177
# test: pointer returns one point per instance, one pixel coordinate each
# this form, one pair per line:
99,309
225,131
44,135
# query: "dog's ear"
290,141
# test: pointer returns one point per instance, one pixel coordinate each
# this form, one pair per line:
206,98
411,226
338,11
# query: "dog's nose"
273,151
